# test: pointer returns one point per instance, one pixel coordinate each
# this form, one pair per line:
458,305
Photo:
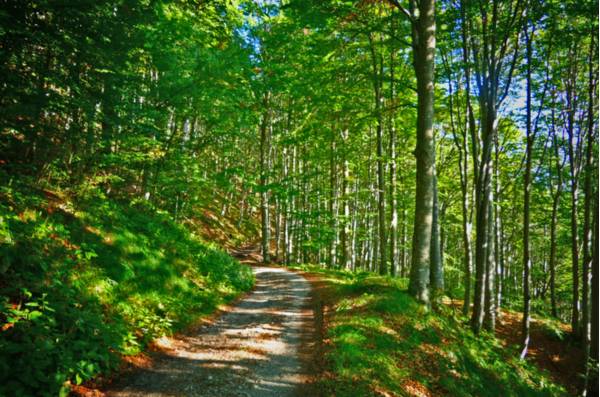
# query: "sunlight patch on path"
253,350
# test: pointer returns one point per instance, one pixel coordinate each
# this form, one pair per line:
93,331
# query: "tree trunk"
553,244
498,232
290,230
461,143
304,236
589,197
574,147
277,237
377,62
490,270
354,229
592,387
423,39
436,271
346,258
393,203
470,126
468,254
393,175
404,242
530,138
483,198
574,235
264,164
494,65
333,201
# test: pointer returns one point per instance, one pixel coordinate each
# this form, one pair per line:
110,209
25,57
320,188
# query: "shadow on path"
252,350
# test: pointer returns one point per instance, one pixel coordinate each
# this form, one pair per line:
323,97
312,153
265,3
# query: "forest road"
259,347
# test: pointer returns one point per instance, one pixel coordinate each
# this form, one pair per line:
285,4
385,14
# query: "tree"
494,55
530,139
422,17
265,149
377,65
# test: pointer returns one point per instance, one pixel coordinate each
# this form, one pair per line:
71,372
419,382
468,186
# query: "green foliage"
86,280
383,341
150,111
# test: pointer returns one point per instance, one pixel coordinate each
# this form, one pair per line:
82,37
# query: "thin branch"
403,10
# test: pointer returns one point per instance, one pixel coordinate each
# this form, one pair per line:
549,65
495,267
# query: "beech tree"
451,144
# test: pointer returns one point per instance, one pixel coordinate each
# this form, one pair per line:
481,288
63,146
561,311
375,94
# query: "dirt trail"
252,350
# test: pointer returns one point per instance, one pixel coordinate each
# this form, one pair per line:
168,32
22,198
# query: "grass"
85,280
380,341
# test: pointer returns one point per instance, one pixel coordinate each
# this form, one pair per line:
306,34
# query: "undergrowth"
86,279
382,342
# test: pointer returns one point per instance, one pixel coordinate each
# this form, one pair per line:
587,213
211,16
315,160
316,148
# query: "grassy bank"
86,279
379,341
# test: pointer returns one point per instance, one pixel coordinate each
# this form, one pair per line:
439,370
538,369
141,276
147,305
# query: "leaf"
34,314
64,391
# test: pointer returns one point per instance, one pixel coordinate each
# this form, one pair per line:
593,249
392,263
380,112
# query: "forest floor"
550,347
314,332
374,340
259,346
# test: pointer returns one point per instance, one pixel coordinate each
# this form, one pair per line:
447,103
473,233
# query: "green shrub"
84,281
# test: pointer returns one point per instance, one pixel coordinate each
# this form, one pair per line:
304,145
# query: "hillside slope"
378,341
86,279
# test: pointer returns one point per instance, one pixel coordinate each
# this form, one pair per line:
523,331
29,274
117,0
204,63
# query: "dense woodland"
451,143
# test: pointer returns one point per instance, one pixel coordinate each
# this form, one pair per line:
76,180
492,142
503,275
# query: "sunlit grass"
382,342
90,279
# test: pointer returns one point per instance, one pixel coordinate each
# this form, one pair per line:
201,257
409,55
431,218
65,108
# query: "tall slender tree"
422,17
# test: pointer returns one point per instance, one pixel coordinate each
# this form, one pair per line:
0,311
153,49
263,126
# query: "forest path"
253,349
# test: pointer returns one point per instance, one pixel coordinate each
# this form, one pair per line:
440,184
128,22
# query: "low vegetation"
452,142
380,341
87,279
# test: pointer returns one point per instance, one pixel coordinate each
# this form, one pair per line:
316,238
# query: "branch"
397,4
510,74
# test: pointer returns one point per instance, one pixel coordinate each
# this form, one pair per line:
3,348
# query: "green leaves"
91,279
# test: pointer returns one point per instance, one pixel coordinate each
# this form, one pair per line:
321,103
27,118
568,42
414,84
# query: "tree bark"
500,29
285,210
461,144
423,42
498,232
264,164
530,138
346,258
393,174
588,203
574,169
490,271
436,271
554,220
377,62
333,201
593,374
483,198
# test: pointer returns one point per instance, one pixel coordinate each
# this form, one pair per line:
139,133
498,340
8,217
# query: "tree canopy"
450,143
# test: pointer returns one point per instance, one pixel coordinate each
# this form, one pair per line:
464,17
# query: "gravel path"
252,350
